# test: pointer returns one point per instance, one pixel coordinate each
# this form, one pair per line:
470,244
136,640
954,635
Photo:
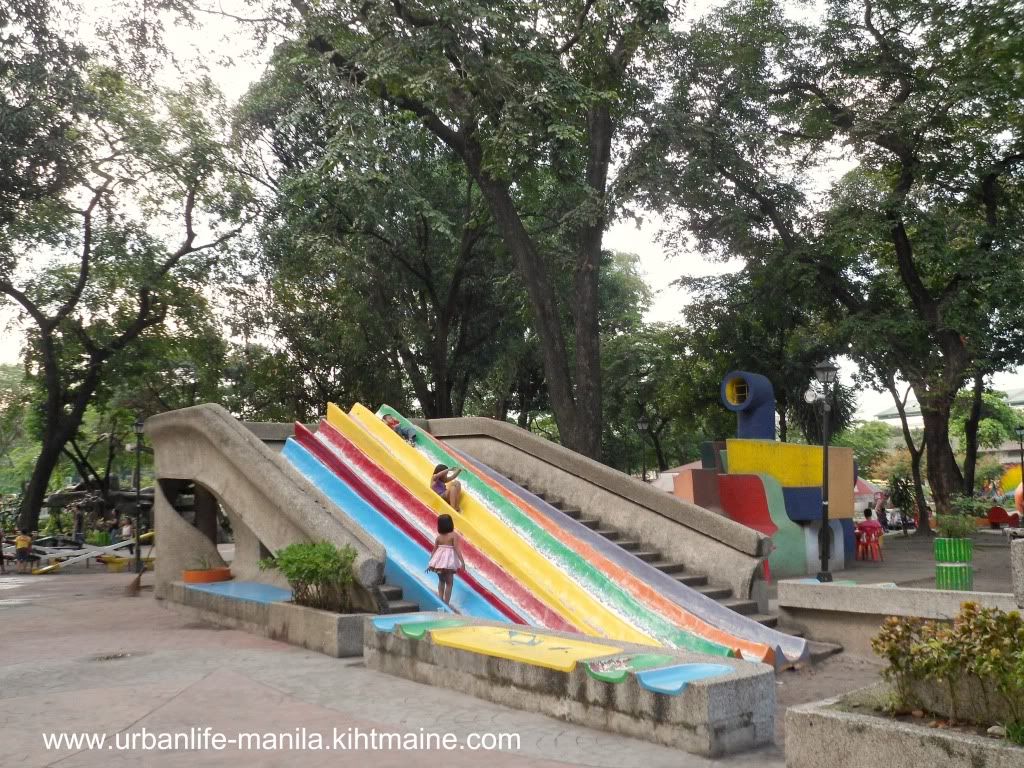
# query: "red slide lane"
307,440
540,613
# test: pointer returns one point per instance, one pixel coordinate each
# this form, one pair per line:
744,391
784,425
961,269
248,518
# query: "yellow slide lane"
484,529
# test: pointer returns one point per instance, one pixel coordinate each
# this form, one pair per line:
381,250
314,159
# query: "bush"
970,506
983,647
320,574
955,526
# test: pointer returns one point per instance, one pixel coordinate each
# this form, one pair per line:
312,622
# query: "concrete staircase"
396,604
697,581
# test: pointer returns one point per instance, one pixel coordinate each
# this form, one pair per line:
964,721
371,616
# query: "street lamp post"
641,425
1020,444
825,372
138,426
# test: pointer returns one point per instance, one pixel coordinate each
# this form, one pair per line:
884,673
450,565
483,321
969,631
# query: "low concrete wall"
1017,570
852,614
710,717
706,542
333,634
822,735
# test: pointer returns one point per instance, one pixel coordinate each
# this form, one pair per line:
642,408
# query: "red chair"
869,543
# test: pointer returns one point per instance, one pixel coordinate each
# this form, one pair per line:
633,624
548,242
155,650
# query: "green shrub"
970,506
982,643
320,574
1015,733
954,526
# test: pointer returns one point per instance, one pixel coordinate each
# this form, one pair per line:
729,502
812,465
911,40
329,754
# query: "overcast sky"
222,47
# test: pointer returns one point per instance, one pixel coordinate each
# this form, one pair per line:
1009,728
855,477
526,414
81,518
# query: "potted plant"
320,574
204,572
954,549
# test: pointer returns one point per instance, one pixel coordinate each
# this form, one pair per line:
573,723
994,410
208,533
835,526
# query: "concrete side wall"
822,736
333,634
851,615
704,541
260,489
711,717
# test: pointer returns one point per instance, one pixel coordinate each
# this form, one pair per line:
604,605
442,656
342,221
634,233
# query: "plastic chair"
869,543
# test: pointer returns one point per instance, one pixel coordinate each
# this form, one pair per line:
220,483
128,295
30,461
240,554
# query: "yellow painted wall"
797,466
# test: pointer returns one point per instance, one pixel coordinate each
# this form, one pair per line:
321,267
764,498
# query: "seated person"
444,484
404,432
869,524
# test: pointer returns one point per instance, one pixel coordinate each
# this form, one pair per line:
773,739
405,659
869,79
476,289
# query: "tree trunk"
35,492
916,453
783,425
971,434
944,475
659,452
544,308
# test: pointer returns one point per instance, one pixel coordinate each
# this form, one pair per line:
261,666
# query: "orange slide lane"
639,589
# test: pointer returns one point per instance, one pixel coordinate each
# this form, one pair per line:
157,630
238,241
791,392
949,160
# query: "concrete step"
402,606
574,512
821,651
738,604
692,579
714,591
667,566
591,522
648,555
629,545
391,592
609,533
769,620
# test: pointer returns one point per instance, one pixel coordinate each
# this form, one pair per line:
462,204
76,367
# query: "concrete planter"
823,735
334,634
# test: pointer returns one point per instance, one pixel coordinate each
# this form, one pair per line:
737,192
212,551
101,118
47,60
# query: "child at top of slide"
446,558
444,484
404,432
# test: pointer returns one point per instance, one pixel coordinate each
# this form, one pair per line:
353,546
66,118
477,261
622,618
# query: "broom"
135,586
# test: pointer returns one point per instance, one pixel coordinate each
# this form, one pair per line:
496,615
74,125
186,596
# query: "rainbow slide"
526,562
677,602
603,598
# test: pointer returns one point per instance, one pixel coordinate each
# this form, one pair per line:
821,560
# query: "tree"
870,443
387,219
109,278
985,421
523,95
753,321
43,95
913,245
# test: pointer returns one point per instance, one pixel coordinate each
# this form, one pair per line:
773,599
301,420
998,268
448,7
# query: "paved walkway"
76,655
910,562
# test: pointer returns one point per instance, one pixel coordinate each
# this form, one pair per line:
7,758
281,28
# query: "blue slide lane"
792,649
406,562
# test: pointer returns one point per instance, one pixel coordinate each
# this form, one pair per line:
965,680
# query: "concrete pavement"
76,655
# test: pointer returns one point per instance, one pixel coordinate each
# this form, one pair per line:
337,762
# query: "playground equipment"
773,487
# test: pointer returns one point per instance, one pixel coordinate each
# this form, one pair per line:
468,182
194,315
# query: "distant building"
1015,397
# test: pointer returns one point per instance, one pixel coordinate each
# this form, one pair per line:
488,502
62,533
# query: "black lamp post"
641,425
138,426
1020,443
825,372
